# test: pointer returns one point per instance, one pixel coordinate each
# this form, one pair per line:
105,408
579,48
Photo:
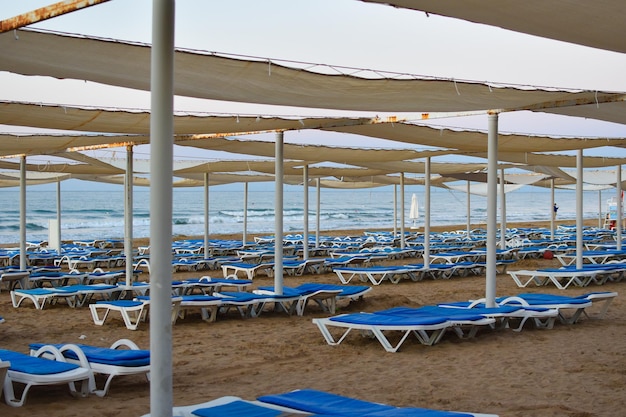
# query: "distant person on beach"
555,209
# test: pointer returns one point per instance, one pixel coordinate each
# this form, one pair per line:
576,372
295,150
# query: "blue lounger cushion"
328,404
106,356
237,409
121,303
23,363
432,311
375,319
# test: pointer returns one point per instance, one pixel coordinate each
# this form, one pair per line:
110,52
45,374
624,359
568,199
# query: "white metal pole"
579,209
492,207
502,212
402,243
23,212
395,210
245,215
317,214
427,215
161,173
278,208
620,209
553,216
599,209
128,215
58,242
207,220
469,210
305,202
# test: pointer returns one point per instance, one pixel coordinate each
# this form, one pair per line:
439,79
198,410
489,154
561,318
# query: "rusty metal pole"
45,13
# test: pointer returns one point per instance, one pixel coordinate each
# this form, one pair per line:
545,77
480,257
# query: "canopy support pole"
244,237
427,216
620,209
502,211
492,207
599,209
395,210
207,251
23,212
579,209
553,217
317,213
469,210
305,202
57,244
128,216
278,217
402,243
161,173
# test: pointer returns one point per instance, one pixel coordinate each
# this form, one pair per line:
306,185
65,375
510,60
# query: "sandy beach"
571,370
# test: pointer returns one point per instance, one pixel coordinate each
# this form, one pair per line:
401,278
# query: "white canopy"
204,75
599,24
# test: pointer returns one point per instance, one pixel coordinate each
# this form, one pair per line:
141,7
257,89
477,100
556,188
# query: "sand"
571,370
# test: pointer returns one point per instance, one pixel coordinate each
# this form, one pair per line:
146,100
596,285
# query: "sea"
88,215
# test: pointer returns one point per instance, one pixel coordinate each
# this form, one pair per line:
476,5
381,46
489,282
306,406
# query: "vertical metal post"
402,209
502,211
579,209
244,237
207,219
59,239
23,212
492,207
128,215
395,210
161,172
317,214
468,214
600,209
553,216
305,203
427,205
620,209
278,209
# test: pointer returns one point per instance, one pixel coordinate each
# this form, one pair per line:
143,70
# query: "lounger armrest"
125,343
515,300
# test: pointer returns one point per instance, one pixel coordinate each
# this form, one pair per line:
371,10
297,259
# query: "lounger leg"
94,314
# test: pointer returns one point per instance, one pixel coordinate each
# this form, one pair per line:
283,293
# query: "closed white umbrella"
414,214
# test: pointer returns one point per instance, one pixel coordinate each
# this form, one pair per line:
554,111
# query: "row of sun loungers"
429,324
307,402
293,300
72,364
564,277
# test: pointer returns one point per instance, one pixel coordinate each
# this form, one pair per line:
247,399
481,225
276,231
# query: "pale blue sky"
336,32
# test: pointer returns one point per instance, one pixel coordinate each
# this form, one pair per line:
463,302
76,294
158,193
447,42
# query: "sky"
346,33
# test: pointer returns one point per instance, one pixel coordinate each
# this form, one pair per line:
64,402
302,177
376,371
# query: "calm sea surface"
100,214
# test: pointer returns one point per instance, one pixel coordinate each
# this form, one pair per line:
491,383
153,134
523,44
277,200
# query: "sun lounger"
253,304
427,330
464,323
325,403
250,270
325,295
542,317
11,279
561,278
32,371
375,274
231,406
570,308
133,311
123,358
207,304
209,285
41,296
